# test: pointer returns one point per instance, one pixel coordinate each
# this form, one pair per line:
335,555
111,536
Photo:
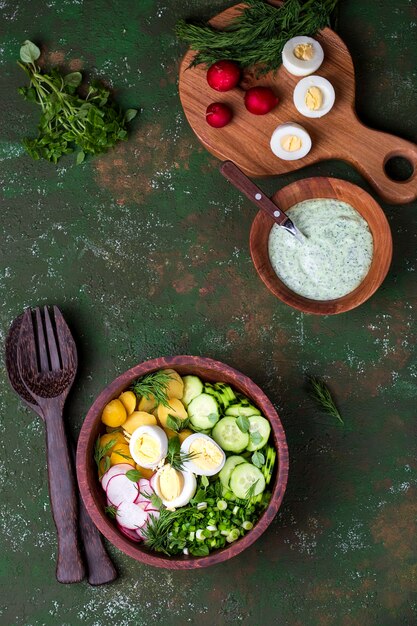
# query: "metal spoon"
235,175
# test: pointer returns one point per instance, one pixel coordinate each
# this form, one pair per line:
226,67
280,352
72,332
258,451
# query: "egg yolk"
291,143
207,454
147,449
313,98
304,51
171,483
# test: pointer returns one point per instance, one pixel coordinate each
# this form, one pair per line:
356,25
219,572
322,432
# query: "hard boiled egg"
174,487
148,445
290,142
314,96
302,56
207,456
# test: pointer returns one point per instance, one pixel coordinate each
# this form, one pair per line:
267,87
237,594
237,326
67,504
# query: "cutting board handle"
375,148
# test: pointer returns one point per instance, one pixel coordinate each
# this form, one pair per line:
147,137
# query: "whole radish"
218,114
260,100
223,75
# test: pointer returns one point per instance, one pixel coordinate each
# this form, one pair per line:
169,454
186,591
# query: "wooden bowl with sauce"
94,496
312,189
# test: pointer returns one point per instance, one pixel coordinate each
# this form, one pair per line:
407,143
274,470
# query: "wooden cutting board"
337,135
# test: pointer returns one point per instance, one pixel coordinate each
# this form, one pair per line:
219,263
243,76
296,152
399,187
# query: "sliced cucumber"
228,435
193,387
259,431
268,468
203,412
212,391
229,466
247,478
242,409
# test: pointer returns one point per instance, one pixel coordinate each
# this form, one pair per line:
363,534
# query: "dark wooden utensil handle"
251,191
100,567
62,492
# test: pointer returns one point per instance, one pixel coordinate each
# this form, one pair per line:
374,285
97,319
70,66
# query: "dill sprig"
258,34
321,394
153,386
101,452
156,531
175,457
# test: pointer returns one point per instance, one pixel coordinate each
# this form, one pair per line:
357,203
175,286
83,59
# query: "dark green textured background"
146,251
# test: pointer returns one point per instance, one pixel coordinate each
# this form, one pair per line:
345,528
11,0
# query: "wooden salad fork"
100,567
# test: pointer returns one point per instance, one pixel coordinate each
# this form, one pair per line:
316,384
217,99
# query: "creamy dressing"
334,257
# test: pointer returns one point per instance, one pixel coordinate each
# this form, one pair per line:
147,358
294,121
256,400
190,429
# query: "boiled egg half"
314,96
174,487
290,142
302,56
148,445
207,457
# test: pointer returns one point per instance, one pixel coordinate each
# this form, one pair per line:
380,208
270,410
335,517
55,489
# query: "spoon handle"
252,191
70,567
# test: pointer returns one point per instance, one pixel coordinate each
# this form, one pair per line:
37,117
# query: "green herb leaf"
74,79
111,511
153,385
255,437
29,52
134,475
243,423
102,451
258,459
213,418
201,550
200,496
175,457
156,501
176,423
130,114
205,481
321,394
251,491
80,157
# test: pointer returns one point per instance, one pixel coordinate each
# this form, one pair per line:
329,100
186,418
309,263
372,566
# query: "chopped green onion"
200,536
247,525
224,532
212,527
235,510
221,505
201,506
233,535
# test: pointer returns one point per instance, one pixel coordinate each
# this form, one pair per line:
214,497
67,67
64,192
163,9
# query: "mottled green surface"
146,251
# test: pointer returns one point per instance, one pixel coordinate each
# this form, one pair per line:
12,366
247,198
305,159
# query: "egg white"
299,67
157,434
304,85
290,128
188,490
191,466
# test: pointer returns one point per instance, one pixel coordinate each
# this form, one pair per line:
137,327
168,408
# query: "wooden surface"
94,496
337,135
320,187
100,568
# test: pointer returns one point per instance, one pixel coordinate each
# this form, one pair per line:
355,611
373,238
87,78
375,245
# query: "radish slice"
132,534
121,489
140,533
142,500
130,515
145,487
120,468
152,481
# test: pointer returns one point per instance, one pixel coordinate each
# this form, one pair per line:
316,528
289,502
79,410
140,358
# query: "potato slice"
138,418
147,405
175,408
121,454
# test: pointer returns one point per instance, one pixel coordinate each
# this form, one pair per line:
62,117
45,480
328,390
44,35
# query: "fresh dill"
321,394
111,511
175,457
257,35
101,452
153,386
156,531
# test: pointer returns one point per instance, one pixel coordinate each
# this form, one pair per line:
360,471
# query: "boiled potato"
183,434
175,388
170,433
114,414
138,418
175,408
145,472
128,399
121,454
147,405
117,437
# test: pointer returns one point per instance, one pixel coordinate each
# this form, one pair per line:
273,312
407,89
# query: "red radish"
223,75
218,114
145,486
120,468
260,100
132,534
152,481
121,489
142,500
131,515
154,512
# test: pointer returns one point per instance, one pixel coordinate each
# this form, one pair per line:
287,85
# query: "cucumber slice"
259,431
241,409
193,387
212,391
243,477
229,436
229,466
203,412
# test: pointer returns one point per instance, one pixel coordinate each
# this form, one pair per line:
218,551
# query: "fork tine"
52,345
41,343
26,348
66,341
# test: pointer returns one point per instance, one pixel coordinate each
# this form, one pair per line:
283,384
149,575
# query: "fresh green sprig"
176,423
175,457
101,452
321,394
111,511
153,386
134,475
257,35
91,125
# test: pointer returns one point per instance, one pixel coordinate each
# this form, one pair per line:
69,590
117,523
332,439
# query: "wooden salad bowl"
322,187
94,496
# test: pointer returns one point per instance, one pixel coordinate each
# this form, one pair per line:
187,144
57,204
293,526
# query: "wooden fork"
47,361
